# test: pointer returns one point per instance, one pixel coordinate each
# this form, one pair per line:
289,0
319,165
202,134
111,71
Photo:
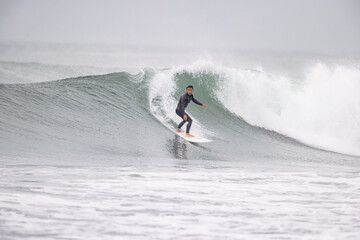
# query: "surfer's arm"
198,103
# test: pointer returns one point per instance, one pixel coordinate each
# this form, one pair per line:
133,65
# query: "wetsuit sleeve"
196,101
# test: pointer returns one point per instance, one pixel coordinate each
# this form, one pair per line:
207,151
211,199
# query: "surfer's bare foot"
178,130
189,135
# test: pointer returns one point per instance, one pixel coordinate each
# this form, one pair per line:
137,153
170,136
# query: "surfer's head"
189,89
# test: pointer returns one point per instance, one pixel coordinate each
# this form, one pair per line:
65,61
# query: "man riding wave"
180,110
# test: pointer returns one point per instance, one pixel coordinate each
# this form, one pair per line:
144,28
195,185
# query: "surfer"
180,110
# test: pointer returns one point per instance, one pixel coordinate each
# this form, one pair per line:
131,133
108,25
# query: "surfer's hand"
204,105
185,117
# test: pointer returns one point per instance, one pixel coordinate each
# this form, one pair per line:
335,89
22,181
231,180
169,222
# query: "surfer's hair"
190,86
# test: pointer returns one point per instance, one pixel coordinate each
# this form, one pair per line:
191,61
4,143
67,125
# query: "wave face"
83,116
251,113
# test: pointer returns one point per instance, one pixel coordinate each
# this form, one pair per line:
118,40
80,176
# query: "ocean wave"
250,112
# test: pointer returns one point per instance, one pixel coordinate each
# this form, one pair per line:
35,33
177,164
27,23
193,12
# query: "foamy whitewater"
87,148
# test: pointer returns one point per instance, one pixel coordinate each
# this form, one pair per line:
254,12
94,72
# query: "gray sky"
315,25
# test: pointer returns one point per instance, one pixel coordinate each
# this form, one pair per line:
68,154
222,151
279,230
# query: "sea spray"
320,110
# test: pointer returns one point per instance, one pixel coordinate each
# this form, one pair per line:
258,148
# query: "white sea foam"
177,201
321,110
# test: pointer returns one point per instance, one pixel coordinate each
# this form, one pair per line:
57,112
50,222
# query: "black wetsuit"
180,110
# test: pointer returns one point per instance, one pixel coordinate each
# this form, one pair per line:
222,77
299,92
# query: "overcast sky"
325,25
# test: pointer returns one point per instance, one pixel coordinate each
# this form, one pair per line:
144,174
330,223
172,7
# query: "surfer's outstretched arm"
198,103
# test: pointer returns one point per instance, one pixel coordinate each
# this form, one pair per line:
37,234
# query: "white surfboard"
193,139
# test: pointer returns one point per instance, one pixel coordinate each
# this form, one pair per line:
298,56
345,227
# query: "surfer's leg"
183,122
188,126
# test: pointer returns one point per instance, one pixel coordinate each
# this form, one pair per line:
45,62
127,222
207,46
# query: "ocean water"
87,149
